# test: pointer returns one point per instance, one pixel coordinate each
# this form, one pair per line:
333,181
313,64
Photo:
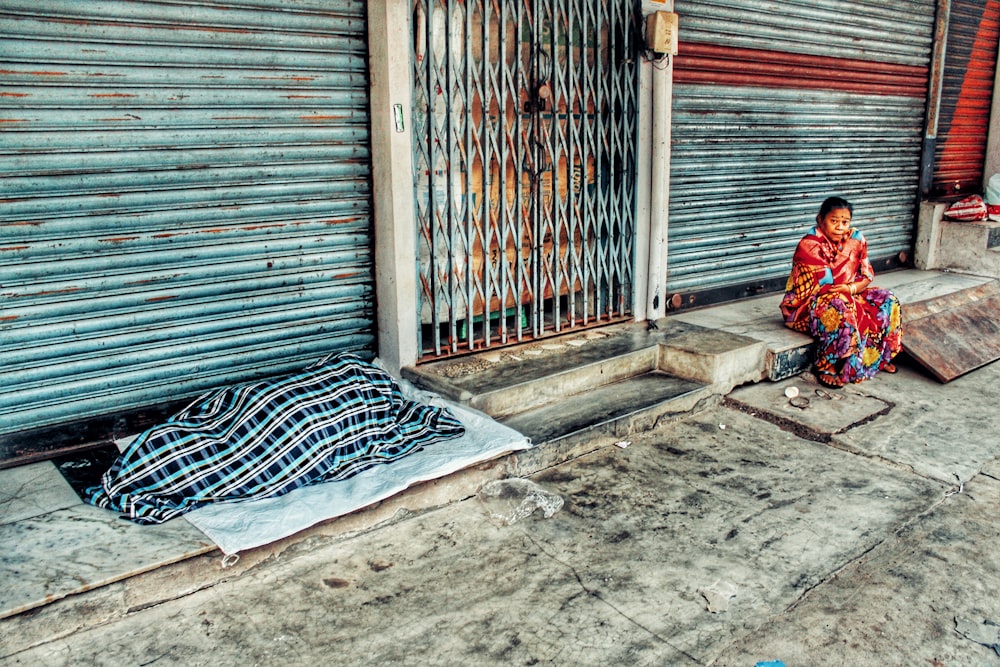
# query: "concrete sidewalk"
75,572
859,530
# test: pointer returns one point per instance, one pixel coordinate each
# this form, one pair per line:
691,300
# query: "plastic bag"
510,500
970,209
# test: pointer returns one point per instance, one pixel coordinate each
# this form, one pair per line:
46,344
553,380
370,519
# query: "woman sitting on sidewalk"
858,328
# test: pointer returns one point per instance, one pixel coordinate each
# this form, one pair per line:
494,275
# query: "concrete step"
530,376
616,410
580,391
970,247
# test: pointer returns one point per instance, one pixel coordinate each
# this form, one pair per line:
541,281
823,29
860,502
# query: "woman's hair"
832,204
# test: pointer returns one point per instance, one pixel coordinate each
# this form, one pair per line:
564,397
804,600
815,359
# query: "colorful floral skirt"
856,336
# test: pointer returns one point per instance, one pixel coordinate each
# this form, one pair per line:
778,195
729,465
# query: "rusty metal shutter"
966,97
778,104
186,198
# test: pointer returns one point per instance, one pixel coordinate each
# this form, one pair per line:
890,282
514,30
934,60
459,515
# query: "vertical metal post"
643,193
934,89
659,197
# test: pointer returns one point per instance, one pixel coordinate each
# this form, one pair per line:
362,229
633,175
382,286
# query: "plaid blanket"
263,439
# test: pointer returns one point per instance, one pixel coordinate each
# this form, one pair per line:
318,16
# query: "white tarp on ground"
236,527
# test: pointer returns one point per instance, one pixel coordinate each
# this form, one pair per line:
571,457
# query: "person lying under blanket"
260,439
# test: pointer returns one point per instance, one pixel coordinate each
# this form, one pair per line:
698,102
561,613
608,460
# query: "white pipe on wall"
659,198
642,189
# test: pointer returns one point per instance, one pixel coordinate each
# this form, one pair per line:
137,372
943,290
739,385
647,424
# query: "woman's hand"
851,289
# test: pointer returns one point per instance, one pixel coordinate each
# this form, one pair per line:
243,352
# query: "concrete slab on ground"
621,575
940,431
50,492
914,428
899,604
912,285
813,411
55,554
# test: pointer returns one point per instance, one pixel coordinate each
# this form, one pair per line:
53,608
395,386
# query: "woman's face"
836,224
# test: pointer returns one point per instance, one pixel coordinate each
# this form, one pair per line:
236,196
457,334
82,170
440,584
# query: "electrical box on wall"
661,32
651,6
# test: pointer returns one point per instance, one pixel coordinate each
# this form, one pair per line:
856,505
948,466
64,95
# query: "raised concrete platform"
69,566
949,245
599,383
789,352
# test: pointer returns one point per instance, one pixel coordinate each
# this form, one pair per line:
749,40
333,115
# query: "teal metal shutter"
778,104
186,199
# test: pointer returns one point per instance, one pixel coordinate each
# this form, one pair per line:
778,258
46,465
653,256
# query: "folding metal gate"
525,124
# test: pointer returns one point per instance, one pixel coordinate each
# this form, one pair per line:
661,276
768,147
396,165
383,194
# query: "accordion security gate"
525,118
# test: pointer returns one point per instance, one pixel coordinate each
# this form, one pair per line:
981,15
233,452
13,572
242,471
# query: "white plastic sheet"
236,527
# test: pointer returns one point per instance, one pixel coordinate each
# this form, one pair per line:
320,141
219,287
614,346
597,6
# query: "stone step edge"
535,392
685,351
623,415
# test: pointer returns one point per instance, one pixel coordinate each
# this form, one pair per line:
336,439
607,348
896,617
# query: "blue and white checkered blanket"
264,439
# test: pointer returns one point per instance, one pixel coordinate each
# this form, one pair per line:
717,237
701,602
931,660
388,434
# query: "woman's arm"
862,270
857,287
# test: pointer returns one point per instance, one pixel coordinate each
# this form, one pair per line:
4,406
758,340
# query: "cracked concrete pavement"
858,544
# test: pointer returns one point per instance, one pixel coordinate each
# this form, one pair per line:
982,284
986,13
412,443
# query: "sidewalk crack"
596,595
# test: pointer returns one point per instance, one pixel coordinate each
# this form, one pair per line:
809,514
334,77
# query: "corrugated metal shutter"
966,97
186,198
776,106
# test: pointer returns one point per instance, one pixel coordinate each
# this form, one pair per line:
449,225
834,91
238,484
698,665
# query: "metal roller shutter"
776,106
186,199
966,97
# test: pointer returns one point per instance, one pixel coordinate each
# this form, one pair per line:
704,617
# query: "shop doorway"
525,124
